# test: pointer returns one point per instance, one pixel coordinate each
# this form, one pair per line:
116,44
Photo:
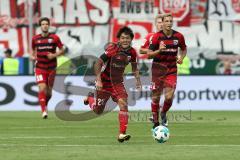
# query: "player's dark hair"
8,51
126,30
43,19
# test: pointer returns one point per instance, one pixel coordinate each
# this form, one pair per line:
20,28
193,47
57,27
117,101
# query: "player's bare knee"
122,104
155,99
168,98
42,87
169,95
155,96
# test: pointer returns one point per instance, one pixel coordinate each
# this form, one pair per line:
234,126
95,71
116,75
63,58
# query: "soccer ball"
161,134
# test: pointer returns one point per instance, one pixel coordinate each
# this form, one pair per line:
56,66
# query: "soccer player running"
165,46
144,50
109,81
44,47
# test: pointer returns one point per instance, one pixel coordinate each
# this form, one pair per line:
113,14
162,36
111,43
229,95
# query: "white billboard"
192,93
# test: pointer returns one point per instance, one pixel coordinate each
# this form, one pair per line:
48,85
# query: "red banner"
236,5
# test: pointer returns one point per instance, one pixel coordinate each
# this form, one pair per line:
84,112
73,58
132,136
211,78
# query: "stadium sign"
134,9
209,94
178,8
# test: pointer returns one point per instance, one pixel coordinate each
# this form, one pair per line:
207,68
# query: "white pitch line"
134,136
33,137
62,126
117,144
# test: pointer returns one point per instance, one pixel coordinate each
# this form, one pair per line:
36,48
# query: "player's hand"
51,56
32,57
179,60
162,46
99,84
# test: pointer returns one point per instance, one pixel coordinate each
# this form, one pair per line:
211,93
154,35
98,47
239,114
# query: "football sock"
155,125
123,121
166,106
155,112
164,117
42,100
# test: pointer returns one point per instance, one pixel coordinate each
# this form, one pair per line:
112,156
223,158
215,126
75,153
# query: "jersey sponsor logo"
178,8
115,65
170,50
45,47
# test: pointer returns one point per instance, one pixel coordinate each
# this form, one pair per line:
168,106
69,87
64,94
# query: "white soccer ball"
161,134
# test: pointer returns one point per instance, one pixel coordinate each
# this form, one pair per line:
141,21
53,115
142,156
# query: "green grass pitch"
193,136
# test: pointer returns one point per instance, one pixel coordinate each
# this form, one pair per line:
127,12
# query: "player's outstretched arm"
181,55
97,68
32,55
136,74
183,49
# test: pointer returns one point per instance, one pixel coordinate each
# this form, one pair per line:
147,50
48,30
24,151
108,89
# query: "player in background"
109,71
144,47
44,51
164,68
144,50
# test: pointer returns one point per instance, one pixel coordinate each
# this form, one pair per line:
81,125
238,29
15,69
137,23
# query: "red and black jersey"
116,59
168,57
44,45
147,40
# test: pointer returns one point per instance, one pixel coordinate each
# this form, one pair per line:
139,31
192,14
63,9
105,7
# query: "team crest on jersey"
50,40
128,57
175,42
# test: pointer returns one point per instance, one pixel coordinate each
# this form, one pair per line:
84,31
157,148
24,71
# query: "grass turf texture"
195,135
